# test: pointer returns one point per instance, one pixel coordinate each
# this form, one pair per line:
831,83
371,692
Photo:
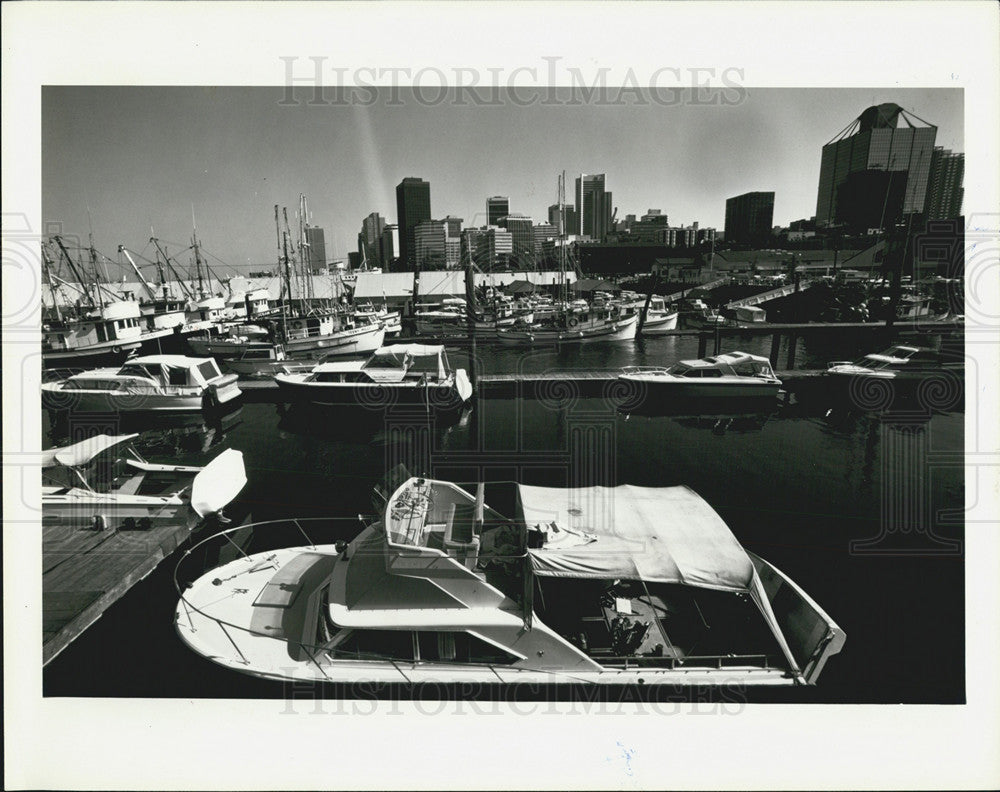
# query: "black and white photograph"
384,379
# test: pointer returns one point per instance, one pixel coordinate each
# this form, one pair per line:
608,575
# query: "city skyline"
128,159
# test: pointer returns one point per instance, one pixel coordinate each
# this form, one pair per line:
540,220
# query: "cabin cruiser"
731,374
594,585
899,363
324,334
102,483
397,374
150,383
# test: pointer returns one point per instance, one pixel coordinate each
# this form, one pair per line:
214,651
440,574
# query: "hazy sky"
138,157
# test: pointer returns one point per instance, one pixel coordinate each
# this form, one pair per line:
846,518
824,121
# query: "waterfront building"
413,206
875,170
593,206
749,218
944,190
497,207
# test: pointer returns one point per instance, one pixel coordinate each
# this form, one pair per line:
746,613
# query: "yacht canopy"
413,357
173,368
656,534
81,453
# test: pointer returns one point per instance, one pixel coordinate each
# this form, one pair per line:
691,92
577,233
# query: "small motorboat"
397,374
899,363
103,483
659,318
153,383
595,585
732,374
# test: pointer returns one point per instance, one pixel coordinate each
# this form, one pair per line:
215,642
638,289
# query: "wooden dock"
86,571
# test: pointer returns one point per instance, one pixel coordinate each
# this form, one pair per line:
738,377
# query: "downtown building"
944,190
876,170
567,215
593,206
522,239
413,206
497,208
438,244
749,218
370,238
494,248
315,249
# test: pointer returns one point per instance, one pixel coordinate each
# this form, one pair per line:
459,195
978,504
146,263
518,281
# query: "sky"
133,162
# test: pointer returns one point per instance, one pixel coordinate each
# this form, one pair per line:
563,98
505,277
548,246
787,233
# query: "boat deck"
85,572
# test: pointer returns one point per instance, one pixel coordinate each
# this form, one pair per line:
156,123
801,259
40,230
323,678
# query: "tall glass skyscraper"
413,206
496,207
593,206
876,169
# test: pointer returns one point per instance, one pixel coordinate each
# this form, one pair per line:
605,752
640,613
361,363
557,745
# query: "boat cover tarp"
413,357
197,371
81,453
654,534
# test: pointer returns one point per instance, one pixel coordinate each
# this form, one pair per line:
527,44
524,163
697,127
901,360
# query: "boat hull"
623,330
658,388
370,396
657,325
55,397
95,356
357,341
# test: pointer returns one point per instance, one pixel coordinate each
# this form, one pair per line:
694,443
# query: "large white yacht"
732,374
594,585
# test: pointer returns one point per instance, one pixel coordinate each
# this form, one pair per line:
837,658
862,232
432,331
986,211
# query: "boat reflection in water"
350,424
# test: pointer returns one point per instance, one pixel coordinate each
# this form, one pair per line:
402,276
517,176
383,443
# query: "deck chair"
460,540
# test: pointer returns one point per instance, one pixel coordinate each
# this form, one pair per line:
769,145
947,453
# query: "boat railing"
689,662
644,370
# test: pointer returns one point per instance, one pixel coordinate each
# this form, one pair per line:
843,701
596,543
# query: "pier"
85,572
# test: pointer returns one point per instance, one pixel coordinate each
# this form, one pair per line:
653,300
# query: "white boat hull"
655,387
356,341
656,325
622,330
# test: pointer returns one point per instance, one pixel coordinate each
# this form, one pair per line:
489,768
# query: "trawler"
593,585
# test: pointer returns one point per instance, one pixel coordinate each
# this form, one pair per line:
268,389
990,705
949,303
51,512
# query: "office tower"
540,234
495,246
749,218
876,170
522,239
470,247
388,246
413,206
496,207
316,247
593,206
369,239
944,190
570,223
436,247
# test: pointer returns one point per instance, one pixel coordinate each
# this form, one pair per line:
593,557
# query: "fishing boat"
659,317
397,374
104,336
596,585
102,483
366,313
324,334
732,374
899,363
573,328
151,383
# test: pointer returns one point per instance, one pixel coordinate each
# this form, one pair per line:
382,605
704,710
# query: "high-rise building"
470,247
945,191
316,248
369,239
496,207
388,246
495,246
522,238
749,218
570,222
876,170
413,206
540,234
435,245
593,206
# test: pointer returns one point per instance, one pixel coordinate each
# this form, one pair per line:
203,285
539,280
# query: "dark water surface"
861,508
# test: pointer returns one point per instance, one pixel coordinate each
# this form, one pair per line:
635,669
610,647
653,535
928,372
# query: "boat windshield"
678,369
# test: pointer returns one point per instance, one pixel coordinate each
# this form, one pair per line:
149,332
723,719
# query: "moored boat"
573,328
899,363
151,383
102,483
595,585
398,374
732,374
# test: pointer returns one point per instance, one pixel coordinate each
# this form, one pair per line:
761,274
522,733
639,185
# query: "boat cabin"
158,371
118,321
394,363
730,364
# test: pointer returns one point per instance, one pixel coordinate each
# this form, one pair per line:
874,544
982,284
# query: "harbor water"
860,503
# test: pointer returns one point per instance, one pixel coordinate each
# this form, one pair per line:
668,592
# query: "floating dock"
86,571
